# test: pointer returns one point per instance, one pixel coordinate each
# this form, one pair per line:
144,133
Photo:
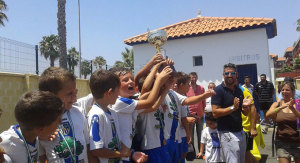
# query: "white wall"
241,47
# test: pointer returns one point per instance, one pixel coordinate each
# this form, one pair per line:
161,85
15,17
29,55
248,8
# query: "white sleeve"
7,159
96,133
204,136
180,97
124,105
184,111
85,102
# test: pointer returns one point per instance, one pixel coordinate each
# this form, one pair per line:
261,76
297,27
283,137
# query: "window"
198,61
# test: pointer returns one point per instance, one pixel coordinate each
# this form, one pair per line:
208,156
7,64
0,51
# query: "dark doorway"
247,70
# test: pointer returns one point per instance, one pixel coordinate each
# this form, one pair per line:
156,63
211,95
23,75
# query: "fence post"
36,59
91,66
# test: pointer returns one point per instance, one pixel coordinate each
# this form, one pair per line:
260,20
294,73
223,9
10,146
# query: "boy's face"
211,124
49,130
68,94
127,85
185,87
114,95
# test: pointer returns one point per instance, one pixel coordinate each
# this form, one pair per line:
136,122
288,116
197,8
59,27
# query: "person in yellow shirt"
249,125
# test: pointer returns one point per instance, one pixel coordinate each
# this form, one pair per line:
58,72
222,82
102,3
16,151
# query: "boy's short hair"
182,78
120,71
245,77
53,79
209,117
101,81
38,109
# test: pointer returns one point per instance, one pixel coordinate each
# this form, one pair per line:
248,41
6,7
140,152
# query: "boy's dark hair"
54,78
230,65
141,83
38,109
263,75
209,117
120,71
101,81
193,73
288,79
182,78
245,77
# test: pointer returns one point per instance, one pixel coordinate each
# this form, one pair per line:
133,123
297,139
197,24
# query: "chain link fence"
19,57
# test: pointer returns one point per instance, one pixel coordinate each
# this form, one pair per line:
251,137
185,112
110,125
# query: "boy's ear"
109,92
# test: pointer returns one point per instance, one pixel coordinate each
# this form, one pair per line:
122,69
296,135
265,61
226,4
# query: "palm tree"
61,22
3,16
99,62
73,58
119,64
127,56
49,48
85,68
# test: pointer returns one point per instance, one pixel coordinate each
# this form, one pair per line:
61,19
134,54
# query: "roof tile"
206,25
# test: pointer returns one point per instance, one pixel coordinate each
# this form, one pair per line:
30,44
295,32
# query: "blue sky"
106,23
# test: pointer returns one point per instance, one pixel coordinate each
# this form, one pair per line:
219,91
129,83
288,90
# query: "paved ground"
266,152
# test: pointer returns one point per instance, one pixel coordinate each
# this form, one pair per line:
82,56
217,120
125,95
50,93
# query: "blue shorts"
184,145
158,155
172,147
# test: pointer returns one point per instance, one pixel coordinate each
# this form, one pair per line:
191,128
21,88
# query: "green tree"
99,62
3,16
297,62
119,64
61,28
86,68
49,48
127,57
73,58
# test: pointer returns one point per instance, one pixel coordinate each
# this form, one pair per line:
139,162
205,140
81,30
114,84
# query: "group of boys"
154,127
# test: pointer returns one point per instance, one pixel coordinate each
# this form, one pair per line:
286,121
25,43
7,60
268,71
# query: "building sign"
244,58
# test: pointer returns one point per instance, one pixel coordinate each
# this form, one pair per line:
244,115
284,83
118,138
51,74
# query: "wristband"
275,109
131,155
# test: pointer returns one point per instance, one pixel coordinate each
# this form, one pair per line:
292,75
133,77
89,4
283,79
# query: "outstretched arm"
196,99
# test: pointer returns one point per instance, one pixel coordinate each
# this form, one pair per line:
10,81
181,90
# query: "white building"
205,44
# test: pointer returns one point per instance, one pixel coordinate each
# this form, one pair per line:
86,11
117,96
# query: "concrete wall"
12,86
241,47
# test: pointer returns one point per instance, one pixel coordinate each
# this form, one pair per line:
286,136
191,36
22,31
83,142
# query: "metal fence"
19,57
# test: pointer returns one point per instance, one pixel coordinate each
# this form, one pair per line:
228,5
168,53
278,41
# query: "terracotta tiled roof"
281,59
272,55
289,49
208,25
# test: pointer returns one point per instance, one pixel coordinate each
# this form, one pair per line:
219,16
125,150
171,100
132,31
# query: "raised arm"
274,109
146,69
151,78
160,80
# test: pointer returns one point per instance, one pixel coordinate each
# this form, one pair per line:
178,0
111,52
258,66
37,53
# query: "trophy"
158,39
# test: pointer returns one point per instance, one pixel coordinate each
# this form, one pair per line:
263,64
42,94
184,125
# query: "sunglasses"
231,73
